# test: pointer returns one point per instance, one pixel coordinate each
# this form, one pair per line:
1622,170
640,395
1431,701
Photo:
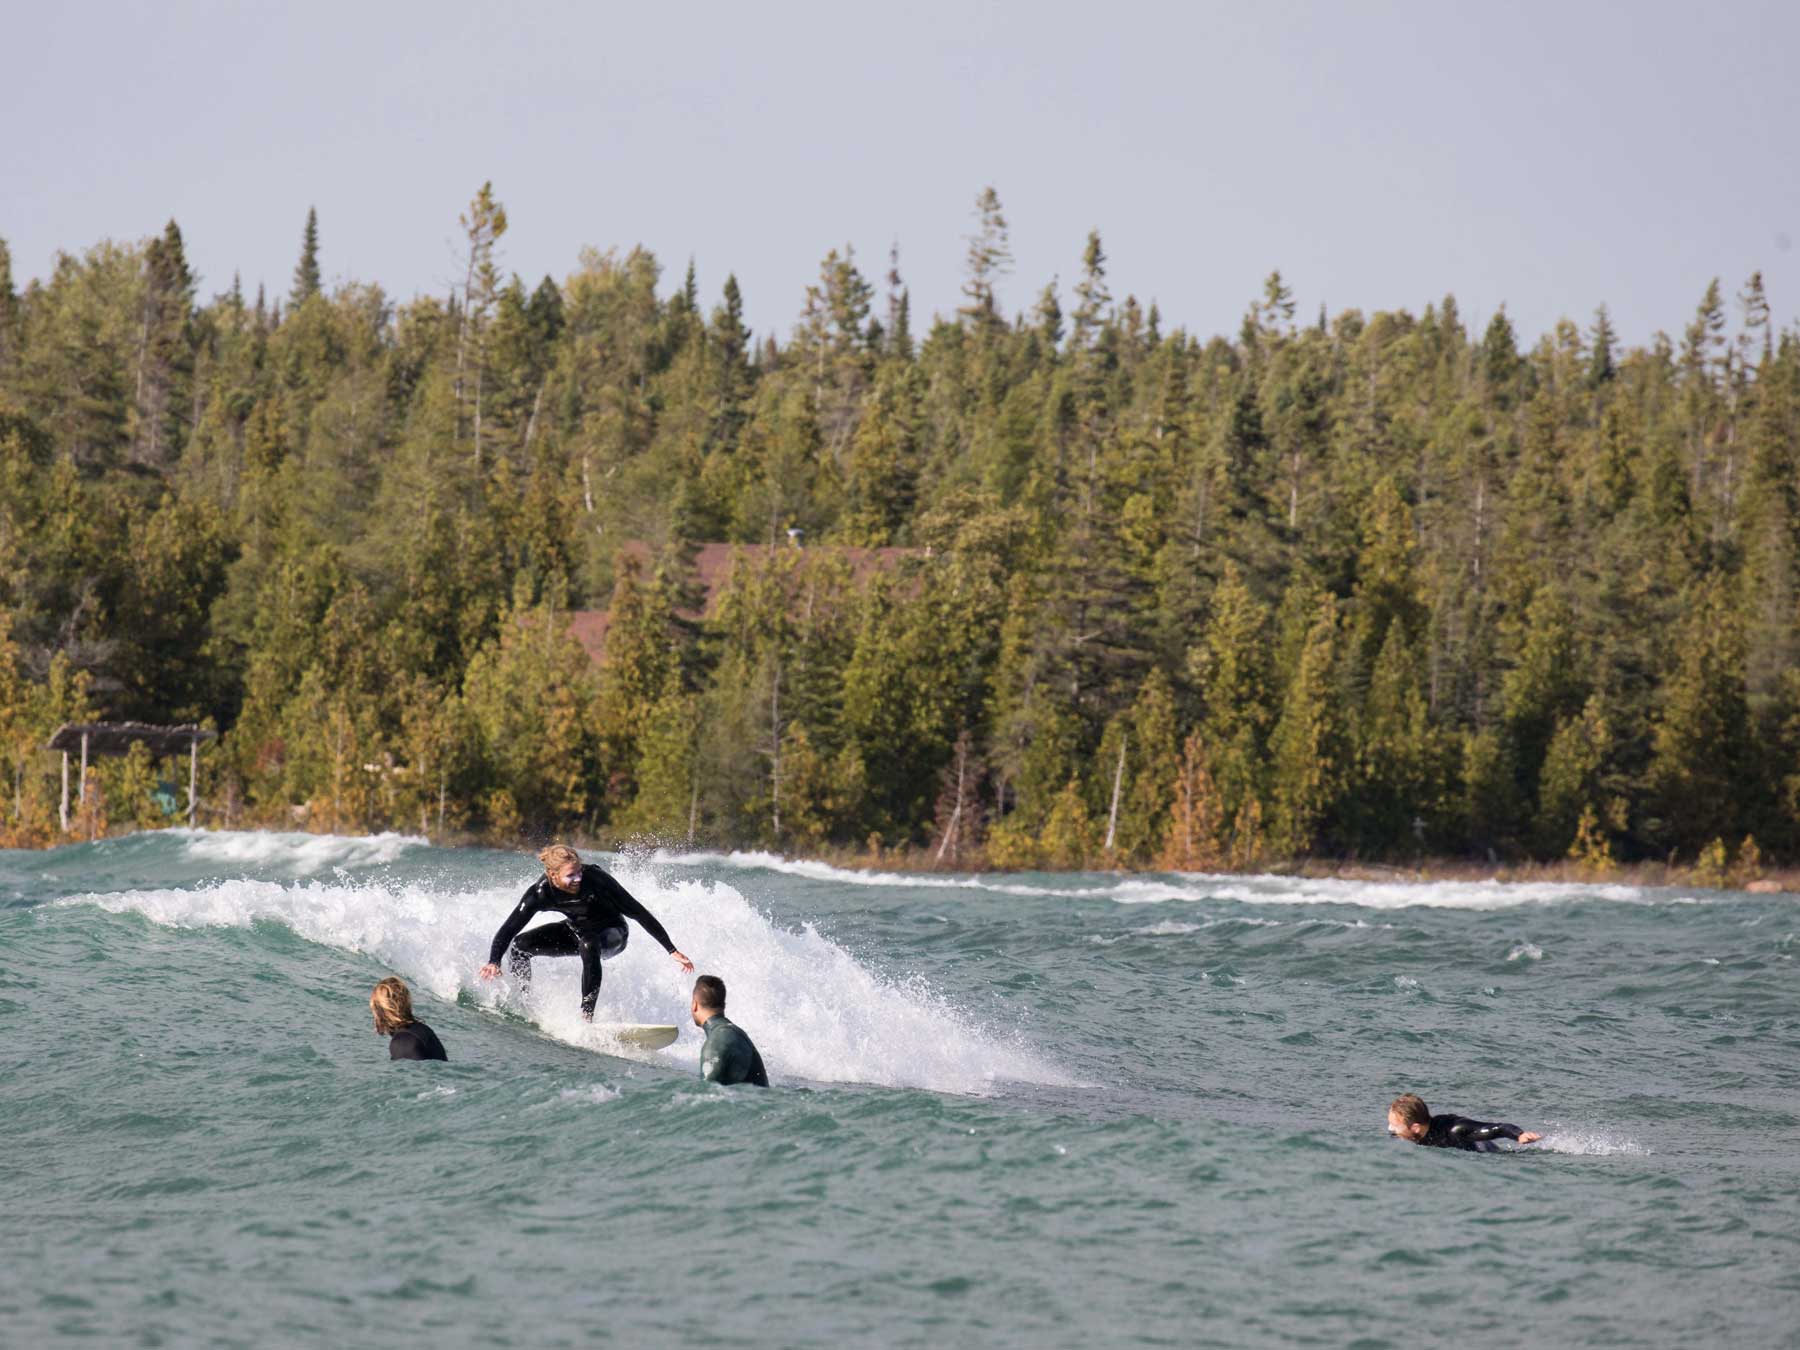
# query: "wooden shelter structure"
117,738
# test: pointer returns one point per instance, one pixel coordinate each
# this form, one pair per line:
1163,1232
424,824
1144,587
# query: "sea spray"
814,1011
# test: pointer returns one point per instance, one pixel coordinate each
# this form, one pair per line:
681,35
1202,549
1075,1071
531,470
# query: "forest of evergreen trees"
1348,585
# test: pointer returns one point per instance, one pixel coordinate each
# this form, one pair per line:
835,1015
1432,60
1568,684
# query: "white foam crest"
293,851
814,870
1166,928
1170,928
1136,892
1526,951
1276,890
812,1009
596,1094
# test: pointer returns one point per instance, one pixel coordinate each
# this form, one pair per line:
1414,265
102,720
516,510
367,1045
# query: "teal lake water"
1069,1110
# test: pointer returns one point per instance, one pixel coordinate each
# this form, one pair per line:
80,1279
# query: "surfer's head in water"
409,1037
729,1056
1409,1117
562,865
392,1005
709,999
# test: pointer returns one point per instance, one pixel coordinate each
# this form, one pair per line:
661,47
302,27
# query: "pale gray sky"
1549,156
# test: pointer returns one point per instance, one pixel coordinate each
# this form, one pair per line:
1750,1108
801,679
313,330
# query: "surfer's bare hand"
488,971
1527,1137
686,965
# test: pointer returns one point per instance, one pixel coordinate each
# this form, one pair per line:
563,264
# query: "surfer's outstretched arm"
628,905
1466,1131
1479,1131
522,913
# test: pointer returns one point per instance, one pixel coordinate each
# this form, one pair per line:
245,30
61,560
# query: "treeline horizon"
1354,585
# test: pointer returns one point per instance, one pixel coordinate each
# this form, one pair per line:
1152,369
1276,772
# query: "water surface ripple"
1009,1111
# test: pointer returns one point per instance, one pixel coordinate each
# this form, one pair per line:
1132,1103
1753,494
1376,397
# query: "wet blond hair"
1411,1109
556,855
392,1005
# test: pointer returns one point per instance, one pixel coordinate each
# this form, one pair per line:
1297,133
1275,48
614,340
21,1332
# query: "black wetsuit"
415,1040
729,1056
594,928
1460,1132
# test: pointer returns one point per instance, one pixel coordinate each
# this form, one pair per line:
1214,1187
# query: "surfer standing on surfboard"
594,908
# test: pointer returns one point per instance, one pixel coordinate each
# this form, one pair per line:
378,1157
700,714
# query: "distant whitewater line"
1195,886
307,851
301,854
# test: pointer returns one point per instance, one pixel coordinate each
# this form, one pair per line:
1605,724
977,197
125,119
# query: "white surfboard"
643,1035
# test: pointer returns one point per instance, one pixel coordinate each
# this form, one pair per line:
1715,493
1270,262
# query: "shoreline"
922,860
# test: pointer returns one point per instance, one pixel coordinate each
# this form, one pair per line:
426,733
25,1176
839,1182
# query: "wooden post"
65,796
193,778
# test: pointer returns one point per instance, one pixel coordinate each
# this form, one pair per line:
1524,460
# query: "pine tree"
989,259
1305,750
897,332
1603,342
1275,311
1500,363
1143,822
1574,809
1753,301
1093,300
881,469
9,318
164,351
307,279
483,224
1386,595
1067,842
1196,821
1544,688
1401,760
634,675
1047,318
529,692
1231,670
1701,731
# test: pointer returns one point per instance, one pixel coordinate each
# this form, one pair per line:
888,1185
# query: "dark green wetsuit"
728,1056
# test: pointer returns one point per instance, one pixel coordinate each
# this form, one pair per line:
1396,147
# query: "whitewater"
1064,1109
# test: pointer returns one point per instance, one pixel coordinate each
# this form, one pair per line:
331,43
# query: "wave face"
1035,1109
815,1009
